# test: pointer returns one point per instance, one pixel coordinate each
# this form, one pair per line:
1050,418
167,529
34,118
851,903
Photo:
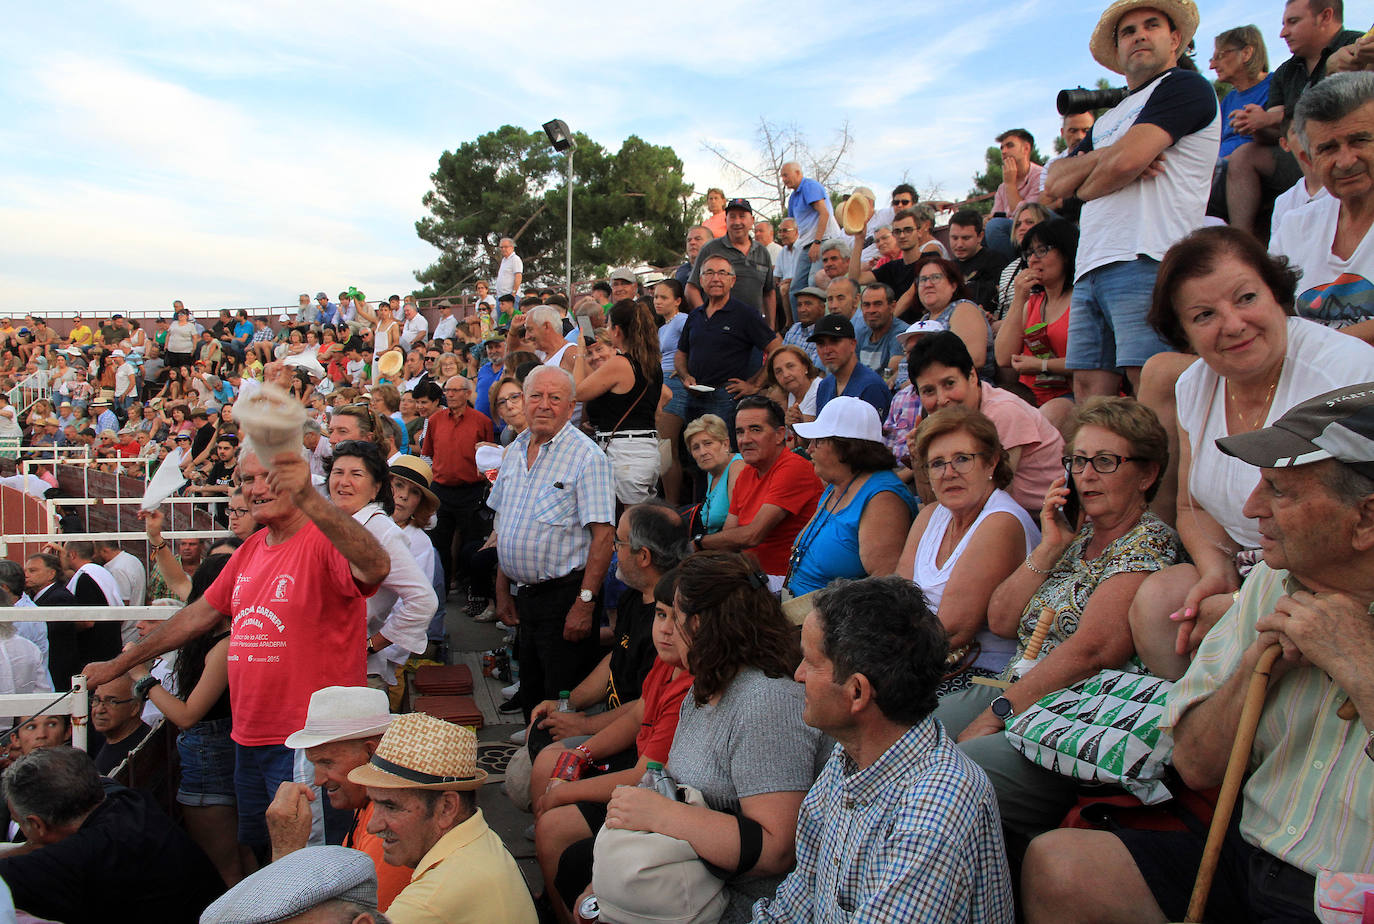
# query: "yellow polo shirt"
468,876
82,335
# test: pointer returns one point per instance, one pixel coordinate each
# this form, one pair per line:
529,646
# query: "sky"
236,155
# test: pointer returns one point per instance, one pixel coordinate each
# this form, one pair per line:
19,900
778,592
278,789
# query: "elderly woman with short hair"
1086,576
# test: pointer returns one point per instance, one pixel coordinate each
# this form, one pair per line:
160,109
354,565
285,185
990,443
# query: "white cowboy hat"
343,714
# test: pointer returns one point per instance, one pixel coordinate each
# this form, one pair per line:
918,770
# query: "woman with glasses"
1024,217
858,525
241,522
1086,575
398,614
975,535
1241,60
621,398
1221,297
1034,337
508,400
945,298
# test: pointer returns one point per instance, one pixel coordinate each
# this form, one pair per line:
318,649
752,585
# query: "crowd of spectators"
790,541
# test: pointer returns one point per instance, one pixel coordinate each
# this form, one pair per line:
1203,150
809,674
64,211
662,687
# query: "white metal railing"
74,702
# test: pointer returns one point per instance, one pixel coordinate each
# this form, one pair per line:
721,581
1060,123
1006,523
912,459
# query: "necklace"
803,541
1264,405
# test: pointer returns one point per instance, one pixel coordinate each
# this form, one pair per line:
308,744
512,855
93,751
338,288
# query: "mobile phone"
1072,505
584,324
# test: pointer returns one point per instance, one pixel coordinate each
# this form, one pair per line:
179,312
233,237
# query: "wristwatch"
1001,707
585,595
142,687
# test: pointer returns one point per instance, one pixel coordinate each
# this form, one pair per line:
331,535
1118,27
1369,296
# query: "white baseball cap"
851,418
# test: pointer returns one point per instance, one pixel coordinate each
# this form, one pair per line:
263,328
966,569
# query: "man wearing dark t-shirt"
897,275
1254,172
982,268
650,540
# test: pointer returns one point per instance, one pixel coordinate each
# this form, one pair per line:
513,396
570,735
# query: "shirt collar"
912,749
454,840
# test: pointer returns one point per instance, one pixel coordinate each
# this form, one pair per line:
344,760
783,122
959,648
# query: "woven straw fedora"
417,471
390,362
419,751
1103,42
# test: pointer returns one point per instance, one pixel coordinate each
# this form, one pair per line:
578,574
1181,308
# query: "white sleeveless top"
931,578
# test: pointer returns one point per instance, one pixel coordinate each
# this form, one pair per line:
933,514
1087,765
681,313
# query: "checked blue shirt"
914,837
542,513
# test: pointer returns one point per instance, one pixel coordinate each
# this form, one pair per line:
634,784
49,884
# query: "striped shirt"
542,512
1310,798
796,336
914,837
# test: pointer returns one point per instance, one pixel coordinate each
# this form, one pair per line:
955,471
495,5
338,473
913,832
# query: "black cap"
832,325
739,204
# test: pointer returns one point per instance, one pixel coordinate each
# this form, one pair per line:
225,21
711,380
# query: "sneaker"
518,737
510,691
476,605
510,707
487,615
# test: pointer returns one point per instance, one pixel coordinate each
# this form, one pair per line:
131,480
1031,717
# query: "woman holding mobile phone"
1086,575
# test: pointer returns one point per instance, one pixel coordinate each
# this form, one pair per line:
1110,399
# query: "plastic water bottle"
565,701
658,779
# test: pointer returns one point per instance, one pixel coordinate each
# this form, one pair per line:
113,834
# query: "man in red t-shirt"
775,495
296,594
451,438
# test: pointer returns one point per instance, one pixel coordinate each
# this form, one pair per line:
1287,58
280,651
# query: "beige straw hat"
1183,13
419,751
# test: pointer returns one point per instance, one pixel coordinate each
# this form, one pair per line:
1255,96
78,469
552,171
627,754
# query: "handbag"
646,876
1104,729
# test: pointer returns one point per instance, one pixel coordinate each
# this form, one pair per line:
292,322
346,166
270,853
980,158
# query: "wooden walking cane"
1236,765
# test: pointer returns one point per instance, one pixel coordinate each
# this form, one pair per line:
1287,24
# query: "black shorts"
1250,885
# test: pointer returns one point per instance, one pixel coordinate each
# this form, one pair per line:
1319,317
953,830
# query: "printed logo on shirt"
1346,300
281,588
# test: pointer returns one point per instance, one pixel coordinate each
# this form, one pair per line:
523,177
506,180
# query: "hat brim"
370,775
305,738
412,476
1183,13
1272,447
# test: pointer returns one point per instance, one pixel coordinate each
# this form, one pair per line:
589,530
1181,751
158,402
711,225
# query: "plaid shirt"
915,837
542,513
902,416
796,336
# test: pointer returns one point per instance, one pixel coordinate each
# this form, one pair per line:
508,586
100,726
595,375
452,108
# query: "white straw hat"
343,714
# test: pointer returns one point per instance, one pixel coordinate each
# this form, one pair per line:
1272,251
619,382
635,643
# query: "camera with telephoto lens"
1081,99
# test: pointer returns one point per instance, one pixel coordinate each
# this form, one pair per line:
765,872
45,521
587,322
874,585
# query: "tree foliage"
629,207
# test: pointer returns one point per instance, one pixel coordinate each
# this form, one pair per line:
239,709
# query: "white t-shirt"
130,577
413,330
1318,360
1295,197
808,401
1146,216
505,275
932,578
1332,291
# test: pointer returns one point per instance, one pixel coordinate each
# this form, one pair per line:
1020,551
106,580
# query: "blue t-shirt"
1236,99
863,383
243,331
719,348
800,209
828,548
486,377
668,336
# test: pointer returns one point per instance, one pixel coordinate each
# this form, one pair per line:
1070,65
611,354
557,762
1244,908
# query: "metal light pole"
562,140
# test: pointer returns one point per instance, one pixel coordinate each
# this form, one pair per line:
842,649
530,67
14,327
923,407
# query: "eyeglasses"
502,402
237,511
911,230
1039,251
900,203
959,463
931,280
109,701
712,274
1104,463
1220,52
625,542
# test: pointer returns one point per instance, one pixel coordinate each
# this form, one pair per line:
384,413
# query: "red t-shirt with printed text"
298,622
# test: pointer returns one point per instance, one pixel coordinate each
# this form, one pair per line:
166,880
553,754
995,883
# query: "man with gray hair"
544,326
315,885
554,504
511,271
1308,802
1329,239
835,255
99,851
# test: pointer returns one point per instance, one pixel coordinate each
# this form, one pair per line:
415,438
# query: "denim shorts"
1107,326
677,405
207,764
258,771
